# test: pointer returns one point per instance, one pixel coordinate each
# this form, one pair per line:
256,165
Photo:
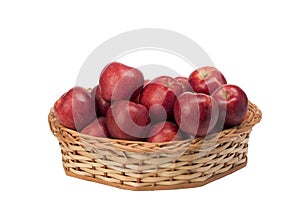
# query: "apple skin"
164,132
120,82
97,128
137,98
146,81
101,105
75,108
159,96
184,82
196,113
127,120
206,80
233,105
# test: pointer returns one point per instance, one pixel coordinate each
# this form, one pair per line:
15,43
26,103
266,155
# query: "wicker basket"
155,166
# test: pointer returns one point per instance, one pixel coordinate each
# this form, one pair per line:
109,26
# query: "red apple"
128,121
184,82
159,96
233,105
164,132
206,80
120,82
75,108
97,128
101,105
196,113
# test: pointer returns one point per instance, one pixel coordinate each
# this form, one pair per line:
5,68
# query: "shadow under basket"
155,166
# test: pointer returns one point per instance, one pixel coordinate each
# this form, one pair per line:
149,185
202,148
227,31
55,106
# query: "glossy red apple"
184,82
196,113
233,105
75,108
164,132
206,80
97,128
159,96
101,105
128,121
120,82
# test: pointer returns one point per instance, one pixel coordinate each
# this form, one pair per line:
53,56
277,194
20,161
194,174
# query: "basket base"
180,186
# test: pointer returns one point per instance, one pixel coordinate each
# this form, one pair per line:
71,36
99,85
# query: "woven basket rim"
254,116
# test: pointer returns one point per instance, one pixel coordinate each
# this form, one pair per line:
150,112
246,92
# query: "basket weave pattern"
153,166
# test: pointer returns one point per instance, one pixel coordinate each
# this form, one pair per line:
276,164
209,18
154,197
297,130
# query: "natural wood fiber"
155,166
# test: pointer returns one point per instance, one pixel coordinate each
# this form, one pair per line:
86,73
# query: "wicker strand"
152,166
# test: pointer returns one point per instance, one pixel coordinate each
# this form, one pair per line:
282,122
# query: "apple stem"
225,94
204,74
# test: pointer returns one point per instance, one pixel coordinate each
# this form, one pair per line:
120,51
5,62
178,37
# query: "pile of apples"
125,106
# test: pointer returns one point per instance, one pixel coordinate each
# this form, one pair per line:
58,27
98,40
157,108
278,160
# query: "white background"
43,45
